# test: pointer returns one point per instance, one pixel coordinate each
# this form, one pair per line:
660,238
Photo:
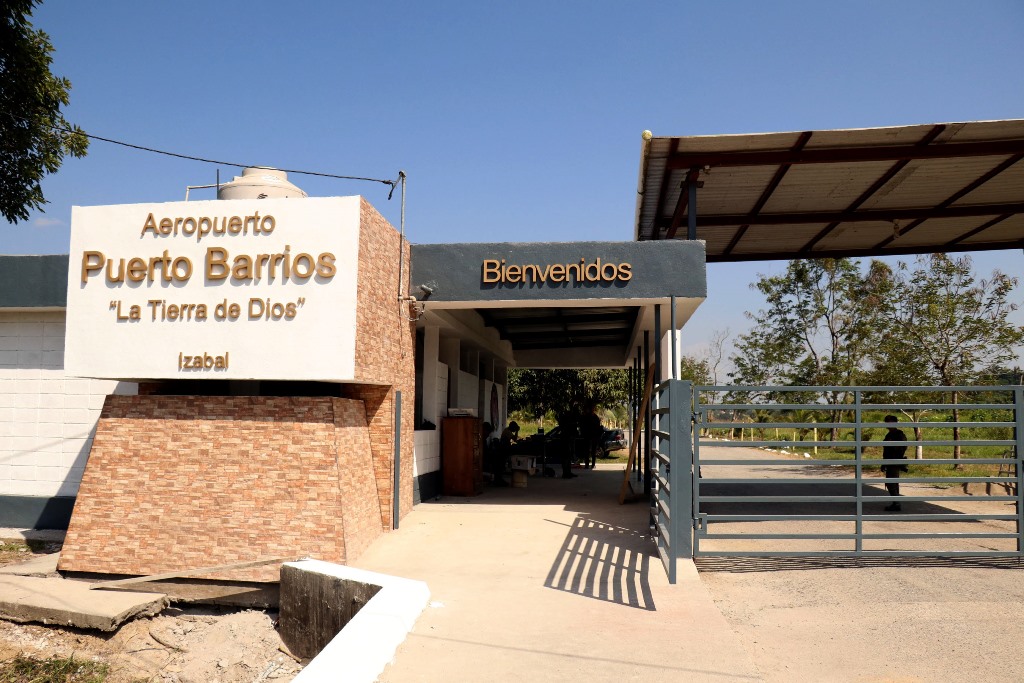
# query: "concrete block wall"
46,418
180,482
427,465
428,452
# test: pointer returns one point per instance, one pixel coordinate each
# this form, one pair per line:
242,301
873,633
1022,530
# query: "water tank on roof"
259,183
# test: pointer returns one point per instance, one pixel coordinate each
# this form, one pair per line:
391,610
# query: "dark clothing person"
592,431
509,435
897,452
491,461
568,426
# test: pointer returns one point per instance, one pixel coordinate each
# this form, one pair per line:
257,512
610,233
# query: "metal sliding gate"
735,474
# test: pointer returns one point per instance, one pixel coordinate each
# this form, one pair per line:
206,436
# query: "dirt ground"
183,644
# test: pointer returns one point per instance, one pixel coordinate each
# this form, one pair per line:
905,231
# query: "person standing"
569,426
592,431
896,452
509,435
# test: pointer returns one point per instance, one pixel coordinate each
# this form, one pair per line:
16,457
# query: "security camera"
427,290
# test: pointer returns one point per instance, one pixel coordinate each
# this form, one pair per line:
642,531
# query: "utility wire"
392,183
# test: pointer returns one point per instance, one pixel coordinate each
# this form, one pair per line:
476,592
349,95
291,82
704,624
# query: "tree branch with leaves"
34,136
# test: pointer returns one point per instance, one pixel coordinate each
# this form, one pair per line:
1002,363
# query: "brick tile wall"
385,347
359,494
177,482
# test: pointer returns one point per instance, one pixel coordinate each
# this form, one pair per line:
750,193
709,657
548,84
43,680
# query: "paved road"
841,483
877,619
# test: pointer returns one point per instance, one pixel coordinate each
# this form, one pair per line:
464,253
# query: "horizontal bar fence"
765,507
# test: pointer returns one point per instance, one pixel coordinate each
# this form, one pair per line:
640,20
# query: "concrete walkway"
554,582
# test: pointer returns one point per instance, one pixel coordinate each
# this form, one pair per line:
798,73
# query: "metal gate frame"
680,523
671,490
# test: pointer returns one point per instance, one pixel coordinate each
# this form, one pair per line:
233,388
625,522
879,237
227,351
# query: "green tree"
942,326
698,371
537,392
816,329
695,369
34,136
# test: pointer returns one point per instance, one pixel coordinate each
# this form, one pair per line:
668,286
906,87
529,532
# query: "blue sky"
514,122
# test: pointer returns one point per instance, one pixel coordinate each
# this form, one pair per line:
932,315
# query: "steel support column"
675,361
691,210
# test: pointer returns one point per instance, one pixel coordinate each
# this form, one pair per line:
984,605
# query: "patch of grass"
33,546
18,551
24,669
621,456
528,429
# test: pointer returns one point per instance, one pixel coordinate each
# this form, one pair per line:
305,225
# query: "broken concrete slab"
39,565
71,603
225,593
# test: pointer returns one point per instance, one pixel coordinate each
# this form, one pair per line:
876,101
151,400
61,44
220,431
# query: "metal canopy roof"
864,192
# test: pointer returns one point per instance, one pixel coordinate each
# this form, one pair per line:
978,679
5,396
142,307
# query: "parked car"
612,440
548,444
551,444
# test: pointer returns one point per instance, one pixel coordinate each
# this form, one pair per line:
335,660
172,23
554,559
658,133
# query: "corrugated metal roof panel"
856,236
861,137
934,182
729,188
1009,229
842,191
774,237
937,230
822,187
1005,187
751,142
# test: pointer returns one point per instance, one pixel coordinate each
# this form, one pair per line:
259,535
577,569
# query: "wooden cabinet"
462,456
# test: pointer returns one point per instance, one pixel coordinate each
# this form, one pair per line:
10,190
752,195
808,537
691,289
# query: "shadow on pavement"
605,562
875,498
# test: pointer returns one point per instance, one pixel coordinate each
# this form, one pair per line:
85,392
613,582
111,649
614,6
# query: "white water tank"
259,183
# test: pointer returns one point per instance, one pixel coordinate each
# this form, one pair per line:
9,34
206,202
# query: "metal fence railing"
834,502
672,443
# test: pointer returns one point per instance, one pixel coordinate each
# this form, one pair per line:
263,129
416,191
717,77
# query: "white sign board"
231,289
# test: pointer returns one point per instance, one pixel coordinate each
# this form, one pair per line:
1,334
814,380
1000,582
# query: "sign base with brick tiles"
179,482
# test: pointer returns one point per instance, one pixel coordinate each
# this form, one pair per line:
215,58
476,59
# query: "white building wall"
427,449
427,442
469,391
47,420
441,399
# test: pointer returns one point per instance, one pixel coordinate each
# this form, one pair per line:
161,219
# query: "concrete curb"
368,643
47,535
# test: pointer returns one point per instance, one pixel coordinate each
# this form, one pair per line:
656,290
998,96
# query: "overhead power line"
391,183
